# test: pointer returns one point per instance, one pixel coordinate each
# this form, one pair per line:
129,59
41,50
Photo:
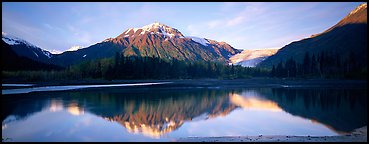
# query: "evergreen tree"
306,64
272,73
280,70
313,68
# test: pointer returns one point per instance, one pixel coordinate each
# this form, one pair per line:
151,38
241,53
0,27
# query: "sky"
57,26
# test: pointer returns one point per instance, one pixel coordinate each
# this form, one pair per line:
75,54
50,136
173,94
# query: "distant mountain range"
348,36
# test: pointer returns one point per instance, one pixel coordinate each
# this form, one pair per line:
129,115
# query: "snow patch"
251,62
165,33
362,6
46,53
75,48
202,41
128,31
163,29
15,40
56,52
108,39
10,41
35,53
142,32
135,29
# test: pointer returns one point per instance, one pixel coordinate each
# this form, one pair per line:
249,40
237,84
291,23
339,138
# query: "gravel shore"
358,135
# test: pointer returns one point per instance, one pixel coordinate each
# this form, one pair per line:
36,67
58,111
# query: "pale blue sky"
60,25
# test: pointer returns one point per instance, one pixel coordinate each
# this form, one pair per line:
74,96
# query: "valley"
209,72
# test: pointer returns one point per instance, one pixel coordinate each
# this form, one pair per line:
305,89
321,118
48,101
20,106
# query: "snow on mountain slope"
74,48
202,41
56,52
19,44
251,62
161,29
154,28
250,58
153,40
12,40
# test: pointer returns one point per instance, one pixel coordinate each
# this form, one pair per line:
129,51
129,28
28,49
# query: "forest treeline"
323,65
133,67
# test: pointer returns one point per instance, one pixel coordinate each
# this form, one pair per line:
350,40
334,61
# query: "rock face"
250,58
348,36
156,40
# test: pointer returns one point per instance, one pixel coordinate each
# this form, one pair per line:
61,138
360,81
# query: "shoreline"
358,135
235,83
140,85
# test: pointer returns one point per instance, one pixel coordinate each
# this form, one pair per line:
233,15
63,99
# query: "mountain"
11,61
56,51
74,48
347,37
250,58
26,49
157,40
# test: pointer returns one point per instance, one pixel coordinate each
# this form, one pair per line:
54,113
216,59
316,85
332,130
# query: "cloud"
235,21
253,25
243,25
54,28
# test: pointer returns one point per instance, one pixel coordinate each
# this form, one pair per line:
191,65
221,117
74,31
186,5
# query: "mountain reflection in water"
252,100
155,113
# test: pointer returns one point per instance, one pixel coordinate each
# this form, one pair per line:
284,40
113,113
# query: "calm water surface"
113,114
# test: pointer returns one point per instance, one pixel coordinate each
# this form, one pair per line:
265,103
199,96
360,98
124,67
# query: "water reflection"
342,109
55,105
157,113
153,114
74,109
251,100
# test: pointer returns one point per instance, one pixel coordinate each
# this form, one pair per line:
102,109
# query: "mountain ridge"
153,40
349,35
26,49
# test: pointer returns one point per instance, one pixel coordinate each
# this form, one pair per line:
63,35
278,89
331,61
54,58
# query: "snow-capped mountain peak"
13,40
163,30
154,28
360,7
56,51
75,48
